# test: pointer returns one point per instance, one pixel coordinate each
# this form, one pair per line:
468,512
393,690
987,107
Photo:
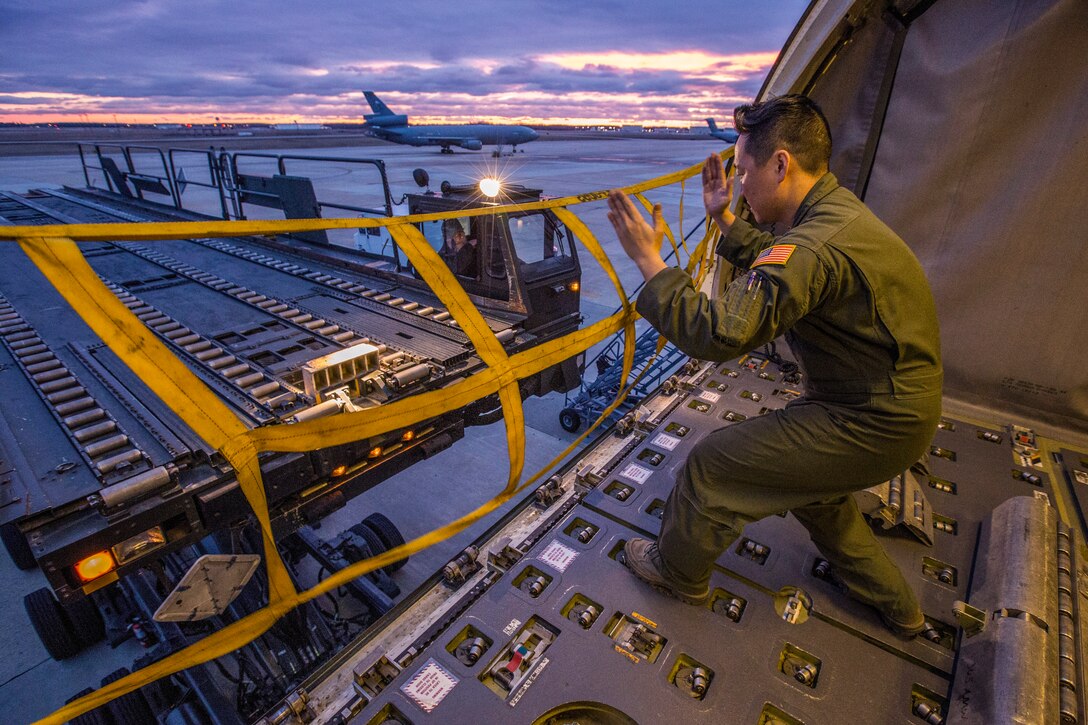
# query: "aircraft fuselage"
471,136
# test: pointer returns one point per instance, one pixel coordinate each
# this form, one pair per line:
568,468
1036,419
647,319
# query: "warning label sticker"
709,396
430,685
636,473
558,556
665,441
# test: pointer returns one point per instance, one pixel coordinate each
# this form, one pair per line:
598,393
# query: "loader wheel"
570,420
390,535
130,708
15,543
97,716
51,624
86,621
374,542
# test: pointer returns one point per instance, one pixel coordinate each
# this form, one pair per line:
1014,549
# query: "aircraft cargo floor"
560,631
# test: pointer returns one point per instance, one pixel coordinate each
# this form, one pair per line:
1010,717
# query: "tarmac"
426,496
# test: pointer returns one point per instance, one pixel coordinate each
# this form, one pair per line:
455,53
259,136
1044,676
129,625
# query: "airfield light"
95,566
490,187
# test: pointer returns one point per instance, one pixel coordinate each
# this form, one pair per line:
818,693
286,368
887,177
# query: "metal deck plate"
839,664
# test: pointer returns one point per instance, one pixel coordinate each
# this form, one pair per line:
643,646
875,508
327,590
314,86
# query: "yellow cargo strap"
54,251
156,231
680,217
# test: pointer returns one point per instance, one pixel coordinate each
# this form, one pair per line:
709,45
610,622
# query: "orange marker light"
95,566
407,436
374,452
574,286
339,471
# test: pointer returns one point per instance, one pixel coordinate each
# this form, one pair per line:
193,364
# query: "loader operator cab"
524,261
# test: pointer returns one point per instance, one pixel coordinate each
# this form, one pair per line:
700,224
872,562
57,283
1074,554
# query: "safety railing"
122,170
89,154
55,251
155,181
207,159
283,162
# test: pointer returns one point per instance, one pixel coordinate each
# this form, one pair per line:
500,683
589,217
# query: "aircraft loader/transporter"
101,478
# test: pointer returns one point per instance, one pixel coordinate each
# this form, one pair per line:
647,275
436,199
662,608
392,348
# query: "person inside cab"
457,250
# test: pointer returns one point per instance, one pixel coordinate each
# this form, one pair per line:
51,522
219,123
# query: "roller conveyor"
97,435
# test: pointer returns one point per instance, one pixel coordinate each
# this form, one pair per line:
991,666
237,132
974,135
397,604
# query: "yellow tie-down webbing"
54,250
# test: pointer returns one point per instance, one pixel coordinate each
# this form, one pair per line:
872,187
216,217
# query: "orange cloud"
692,62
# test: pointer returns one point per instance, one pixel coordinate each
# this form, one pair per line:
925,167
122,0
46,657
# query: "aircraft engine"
472,144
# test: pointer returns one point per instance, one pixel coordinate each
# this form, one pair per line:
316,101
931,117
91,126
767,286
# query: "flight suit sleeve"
755,308
743,243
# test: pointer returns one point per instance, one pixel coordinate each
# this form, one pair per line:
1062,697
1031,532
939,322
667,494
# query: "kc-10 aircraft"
390,126
728,135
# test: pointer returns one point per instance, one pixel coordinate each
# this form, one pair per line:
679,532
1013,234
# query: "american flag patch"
778,254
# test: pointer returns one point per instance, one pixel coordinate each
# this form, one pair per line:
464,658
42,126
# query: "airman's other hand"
640,241
717,192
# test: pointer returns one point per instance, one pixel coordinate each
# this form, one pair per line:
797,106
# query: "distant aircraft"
389,126
725,134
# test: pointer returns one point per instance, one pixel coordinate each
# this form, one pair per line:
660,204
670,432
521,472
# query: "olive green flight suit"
856,310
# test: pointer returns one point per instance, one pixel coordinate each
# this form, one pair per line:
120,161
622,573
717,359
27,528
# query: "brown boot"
903,631
642,558
912,630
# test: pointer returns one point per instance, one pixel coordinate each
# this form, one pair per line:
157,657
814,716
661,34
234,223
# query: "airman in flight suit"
856,309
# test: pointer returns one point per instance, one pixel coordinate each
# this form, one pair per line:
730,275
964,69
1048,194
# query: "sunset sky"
548,61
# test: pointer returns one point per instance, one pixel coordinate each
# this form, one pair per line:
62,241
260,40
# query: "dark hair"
451,227
794,123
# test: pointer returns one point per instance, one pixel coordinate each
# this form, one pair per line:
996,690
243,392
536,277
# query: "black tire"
97,716
18,548
570,420
86,621
131,708
484,411
51,624
373,541
390,535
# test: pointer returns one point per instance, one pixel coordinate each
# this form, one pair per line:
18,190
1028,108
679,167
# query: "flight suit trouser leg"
792,458
690,541
843,537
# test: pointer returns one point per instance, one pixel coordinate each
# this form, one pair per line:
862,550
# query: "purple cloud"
273,58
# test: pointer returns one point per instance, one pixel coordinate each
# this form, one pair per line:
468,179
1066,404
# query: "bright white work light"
490,187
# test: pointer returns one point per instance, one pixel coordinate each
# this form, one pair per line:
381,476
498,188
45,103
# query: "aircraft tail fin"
713,126
382,117
377,105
